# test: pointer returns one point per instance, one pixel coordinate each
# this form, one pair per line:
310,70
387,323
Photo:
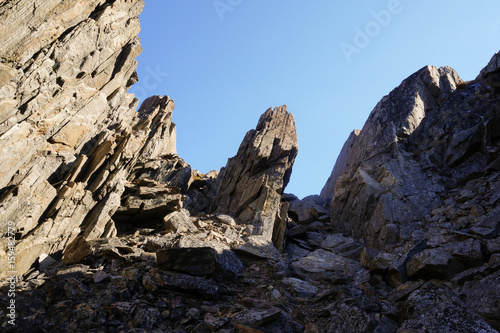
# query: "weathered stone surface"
258,247
77,250
434,309
430,263
415,197
179,221
349,318
255,317
200,261
307,210
341,165
301,288
64,118
194,284
348,247
194,261
250,186
419,142
321,261
483,296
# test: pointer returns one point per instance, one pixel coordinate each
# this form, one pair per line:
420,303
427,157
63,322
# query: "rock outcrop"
250,186
64,118
428,137
341,165
115,232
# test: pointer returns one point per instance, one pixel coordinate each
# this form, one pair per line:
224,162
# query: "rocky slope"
115,232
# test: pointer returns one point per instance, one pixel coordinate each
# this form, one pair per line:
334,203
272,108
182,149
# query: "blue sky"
225,62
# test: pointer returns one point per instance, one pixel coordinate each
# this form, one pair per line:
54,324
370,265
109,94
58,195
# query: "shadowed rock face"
251,184
422,140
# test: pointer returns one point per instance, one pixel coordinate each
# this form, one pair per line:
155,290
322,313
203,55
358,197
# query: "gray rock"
296,252
493,245
226,219
424,309
382,261
430,263
344,246
321,261
250,186
417,139
483,296
257,317
179,222
44,262
77,250
341,165
258,248
155,243
194,284
198,257
301,211
99,276
195,261
63,177
349,318
301,288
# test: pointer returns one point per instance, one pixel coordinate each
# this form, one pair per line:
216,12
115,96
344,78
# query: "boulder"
341,165
300,288
179,221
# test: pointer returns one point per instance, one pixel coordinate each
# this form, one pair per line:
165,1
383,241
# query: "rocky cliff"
65,118
108,229
252,183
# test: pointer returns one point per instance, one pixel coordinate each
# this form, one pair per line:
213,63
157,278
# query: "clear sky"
225,62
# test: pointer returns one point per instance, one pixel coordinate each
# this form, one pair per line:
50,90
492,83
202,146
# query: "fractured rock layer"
64,114
251,184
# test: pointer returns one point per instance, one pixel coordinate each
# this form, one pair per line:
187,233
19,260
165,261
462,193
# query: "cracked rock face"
250,186
65,67
115,232
425,138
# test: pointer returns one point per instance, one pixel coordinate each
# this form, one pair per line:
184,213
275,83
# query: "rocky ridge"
115,232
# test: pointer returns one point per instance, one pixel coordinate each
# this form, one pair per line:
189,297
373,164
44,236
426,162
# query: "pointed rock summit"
250,186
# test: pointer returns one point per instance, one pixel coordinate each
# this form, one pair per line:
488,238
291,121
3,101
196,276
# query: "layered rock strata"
250,186
64,118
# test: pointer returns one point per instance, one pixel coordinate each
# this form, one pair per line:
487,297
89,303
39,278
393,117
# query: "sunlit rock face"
251,184
65,117
429,136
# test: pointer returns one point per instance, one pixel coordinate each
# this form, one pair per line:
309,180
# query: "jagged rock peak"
155,115
251,184
418,143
